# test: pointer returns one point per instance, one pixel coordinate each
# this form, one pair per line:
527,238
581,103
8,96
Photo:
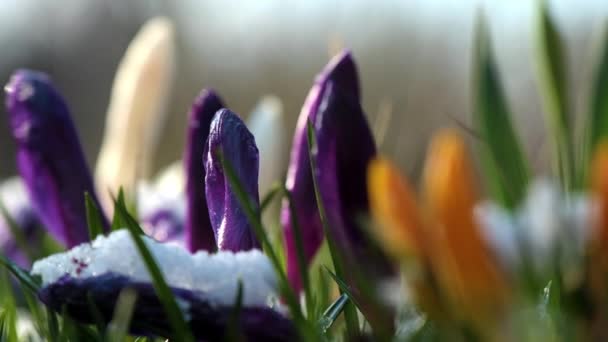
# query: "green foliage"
504,163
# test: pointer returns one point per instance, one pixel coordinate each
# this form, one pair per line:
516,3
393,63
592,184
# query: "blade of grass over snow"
181,330
553,86
597,122
117,220
302,266
502,158
254,219
94,220
350,313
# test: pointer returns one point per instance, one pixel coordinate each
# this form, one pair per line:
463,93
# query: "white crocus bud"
137,108
267,125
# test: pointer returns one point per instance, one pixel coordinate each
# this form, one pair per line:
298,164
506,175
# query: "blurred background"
414,58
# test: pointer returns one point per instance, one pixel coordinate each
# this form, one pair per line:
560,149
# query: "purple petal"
49,156
207,320
345,147
199,233
229,136
299,182
164,225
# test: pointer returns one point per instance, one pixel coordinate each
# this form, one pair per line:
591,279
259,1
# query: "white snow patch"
216,275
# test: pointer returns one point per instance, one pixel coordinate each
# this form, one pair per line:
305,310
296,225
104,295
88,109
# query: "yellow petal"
394,209
467,273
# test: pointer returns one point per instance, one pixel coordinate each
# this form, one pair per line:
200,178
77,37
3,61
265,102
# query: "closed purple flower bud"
209,322
230,137
345,147
199,234
49,156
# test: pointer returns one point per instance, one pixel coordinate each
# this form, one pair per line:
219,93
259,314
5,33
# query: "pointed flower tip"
206,104
27,89
448,166
393,206
230,137
156,33
342,71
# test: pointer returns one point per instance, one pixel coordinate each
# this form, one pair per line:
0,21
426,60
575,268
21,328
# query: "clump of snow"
215,275
547,223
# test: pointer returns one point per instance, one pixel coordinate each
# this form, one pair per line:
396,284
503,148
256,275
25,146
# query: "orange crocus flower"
445,238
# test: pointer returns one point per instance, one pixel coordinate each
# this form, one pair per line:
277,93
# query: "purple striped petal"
199,233
230,137
49,156
299,177
208,321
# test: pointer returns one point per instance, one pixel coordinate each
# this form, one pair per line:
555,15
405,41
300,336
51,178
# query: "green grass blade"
233,332
333,311
30,282
597,122
119,326
505,166
302,266
94,218
270,195
181,330
17,233
118,220
350,314
552,77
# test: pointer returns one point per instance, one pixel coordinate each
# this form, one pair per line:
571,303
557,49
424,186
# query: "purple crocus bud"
205,285
230,137
199,234
345,147
49,156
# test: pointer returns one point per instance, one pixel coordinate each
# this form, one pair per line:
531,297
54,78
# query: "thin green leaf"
505,166
270,195
333,311
350,314
17,233
30,282
117,220
181,331
233,332
123,313
343,286
597,122
552,77
94,220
